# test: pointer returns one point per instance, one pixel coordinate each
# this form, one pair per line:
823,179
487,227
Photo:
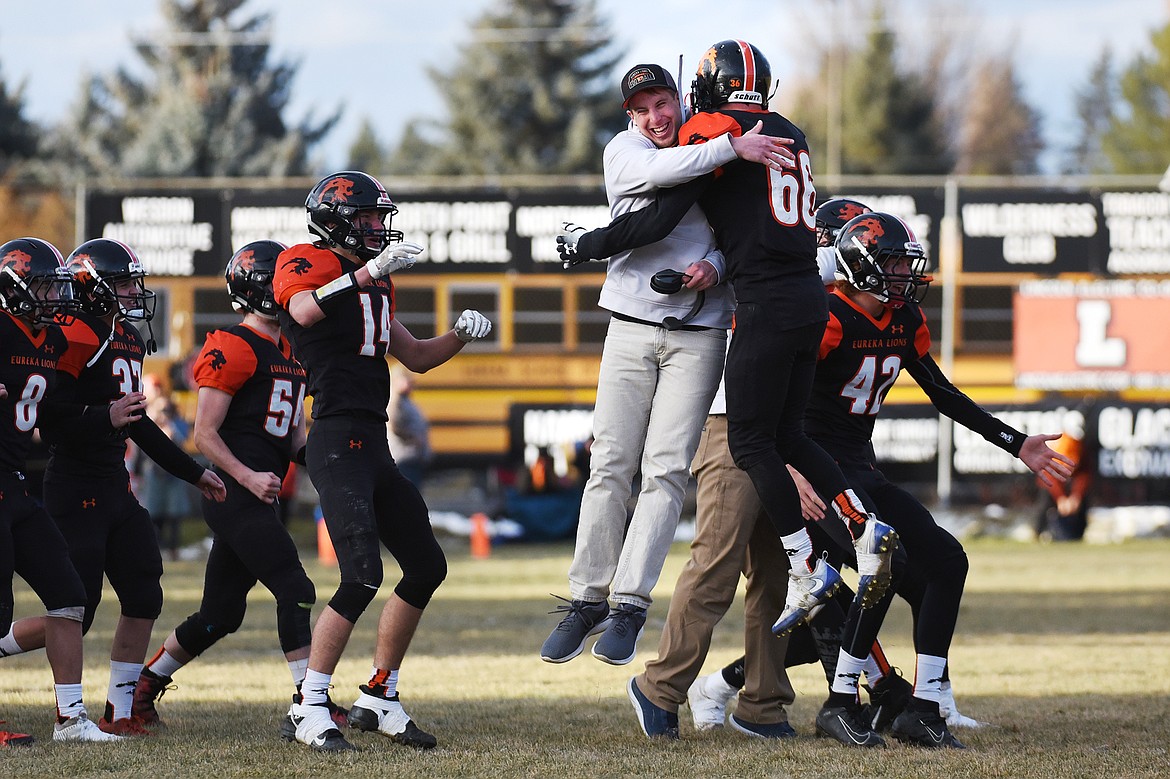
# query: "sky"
370,57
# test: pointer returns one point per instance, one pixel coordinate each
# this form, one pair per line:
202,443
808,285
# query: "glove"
471,326
396,256
567,245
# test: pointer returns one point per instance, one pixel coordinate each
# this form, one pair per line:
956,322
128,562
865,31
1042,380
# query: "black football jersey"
268,394
100,366
764,220
860,359
344,355
28,371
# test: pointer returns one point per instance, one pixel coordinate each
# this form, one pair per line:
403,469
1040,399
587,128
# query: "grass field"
1065,649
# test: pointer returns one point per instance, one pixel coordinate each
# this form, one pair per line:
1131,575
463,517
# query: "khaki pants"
731,534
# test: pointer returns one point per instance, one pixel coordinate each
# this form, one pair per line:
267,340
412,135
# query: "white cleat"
950,712
805,593
81,728
315,728
708,697
875,549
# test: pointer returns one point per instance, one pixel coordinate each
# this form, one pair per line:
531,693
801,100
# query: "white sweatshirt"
634,169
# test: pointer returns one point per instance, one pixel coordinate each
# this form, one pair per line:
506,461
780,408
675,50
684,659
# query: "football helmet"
731,72
336,200
832,216
35,283
99,267
249,277
879,254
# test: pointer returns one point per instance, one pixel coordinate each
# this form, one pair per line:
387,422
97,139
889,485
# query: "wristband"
326,295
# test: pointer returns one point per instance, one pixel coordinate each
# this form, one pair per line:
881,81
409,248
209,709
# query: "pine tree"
212,104
366,152
531,93
1138,137
18,136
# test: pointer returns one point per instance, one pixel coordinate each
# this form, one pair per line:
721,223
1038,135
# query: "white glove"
396,256
472,325
567,244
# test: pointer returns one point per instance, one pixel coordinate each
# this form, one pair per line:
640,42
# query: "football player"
249,422
336,304
87,487
36,292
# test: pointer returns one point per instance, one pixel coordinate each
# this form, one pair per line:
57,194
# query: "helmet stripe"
749,66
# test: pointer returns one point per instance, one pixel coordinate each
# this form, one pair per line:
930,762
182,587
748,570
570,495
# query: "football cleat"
848,725
81,728
10,739
124,726
921,725
313,726
804,594
887,699
708,697
371,712
149,689
339,715
875,548
950,712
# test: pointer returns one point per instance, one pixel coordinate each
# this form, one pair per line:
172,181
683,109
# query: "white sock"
928,672
800,552
298,668
390,682
848,674
164,664
123,680
315,688
873,671
69,703
8,645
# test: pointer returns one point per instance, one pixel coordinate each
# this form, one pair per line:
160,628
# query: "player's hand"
396,256
567,244
1050,466
211,486
812,507
769,150
471,326
264,485
126,409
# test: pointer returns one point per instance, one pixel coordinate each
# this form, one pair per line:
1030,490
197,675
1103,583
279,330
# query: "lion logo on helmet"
337,190
868,231
19,261
245,261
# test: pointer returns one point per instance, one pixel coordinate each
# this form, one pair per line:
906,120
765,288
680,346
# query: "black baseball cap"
642,77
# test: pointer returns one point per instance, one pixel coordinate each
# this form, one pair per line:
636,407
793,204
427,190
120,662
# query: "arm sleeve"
646,225
158,447
947,398
633,168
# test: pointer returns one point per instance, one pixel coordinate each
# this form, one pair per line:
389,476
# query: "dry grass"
1063,648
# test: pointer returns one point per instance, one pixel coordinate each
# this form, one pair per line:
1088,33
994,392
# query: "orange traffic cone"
325,552
481,542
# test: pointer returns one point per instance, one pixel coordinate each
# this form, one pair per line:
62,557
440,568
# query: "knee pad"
72,613
352,599
144,602
294,603
417,587
196,634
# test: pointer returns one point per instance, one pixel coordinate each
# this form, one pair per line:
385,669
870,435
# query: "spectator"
407,429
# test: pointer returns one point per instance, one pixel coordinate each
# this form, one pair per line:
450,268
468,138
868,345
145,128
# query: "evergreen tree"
366,152
18,136
531,93
212,104
1138,137
1000,132
1095,109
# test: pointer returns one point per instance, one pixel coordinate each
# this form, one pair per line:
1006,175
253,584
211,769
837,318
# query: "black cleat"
921,725
848,725
887,699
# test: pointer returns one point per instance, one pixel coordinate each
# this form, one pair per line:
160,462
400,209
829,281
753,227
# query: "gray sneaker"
582,619
619,644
